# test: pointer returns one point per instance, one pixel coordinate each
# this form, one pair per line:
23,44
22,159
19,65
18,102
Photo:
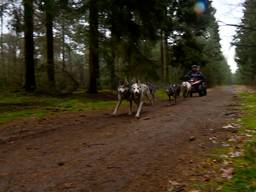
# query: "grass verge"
244,179
234,167
20,105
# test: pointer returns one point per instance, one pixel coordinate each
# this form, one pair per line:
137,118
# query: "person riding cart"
195,73
197,80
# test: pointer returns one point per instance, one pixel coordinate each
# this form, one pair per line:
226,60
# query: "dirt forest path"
95,152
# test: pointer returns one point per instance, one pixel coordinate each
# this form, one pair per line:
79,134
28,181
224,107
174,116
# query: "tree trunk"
2,32
1,44
2,58
49,4
13,77
166,72
164,67
93,47
63,43
30,82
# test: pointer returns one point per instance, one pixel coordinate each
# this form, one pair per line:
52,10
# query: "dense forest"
75,117
59,46
245,45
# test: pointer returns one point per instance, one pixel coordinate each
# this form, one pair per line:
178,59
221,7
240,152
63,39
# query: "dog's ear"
138,81
126,83
133,81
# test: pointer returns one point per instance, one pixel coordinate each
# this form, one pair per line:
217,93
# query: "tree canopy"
94,43
246,46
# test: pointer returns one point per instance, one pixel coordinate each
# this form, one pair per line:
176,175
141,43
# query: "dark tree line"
69,44
246,46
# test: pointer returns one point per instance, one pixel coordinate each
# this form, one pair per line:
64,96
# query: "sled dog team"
137,92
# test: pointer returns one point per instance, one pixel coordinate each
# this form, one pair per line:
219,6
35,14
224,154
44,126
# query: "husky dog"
186,88
123,92
139,93
173,91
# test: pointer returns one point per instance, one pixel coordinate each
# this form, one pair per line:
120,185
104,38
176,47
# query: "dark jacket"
195,75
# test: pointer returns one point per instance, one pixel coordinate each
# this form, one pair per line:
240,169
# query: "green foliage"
200,45
243,181
21,114
161,94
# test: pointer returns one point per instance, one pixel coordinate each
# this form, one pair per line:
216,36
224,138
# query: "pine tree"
245,46
30,82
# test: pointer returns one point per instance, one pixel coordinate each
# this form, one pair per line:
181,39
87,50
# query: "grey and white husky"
139,93
123,93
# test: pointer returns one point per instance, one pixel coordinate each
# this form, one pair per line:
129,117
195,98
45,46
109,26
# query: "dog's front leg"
184,92
150,98
139,109
153,97
117,106
130,108
171,97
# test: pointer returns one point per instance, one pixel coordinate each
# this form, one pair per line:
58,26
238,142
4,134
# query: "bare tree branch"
244,45
238,26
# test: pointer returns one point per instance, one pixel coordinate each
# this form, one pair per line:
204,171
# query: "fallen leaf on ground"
229,126
192,138
235,154
227,173
174,183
